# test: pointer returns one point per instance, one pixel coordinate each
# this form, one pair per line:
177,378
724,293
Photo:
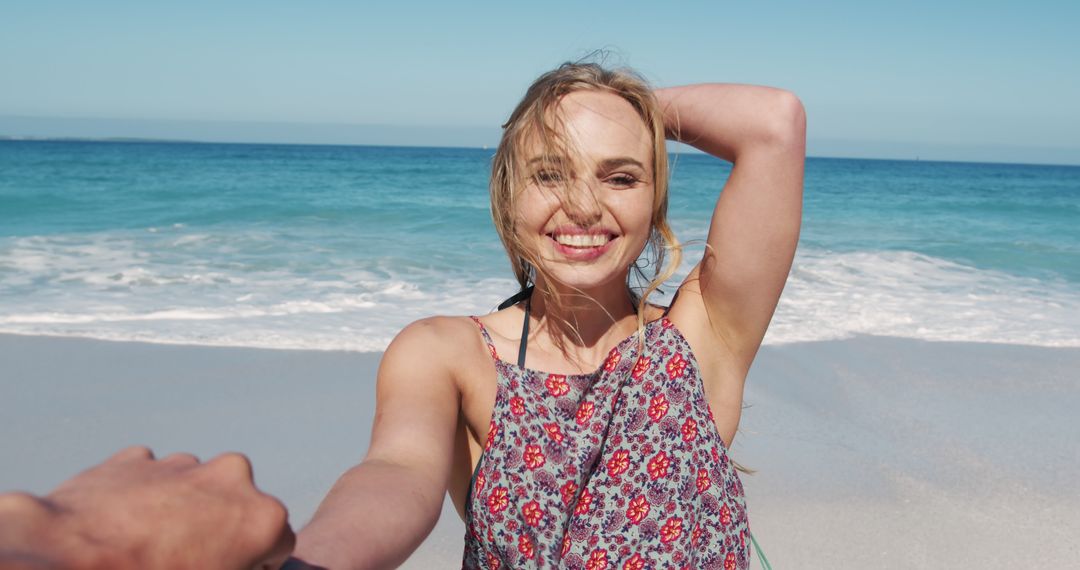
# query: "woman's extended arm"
755,225
379,511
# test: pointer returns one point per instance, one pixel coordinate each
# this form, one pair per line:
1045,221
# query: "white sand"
871,453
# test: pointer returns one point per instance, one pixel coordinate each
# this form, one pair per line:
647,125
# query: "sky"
991,81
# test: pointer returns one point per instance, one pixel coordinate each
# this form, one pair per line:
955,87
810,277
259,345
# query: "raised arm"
755,225
379,511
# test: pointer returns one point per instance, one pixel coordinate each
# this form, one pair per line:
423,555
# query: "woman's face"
587,216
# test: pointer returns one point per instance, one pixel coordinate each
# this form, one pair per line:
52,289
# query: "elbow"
787,125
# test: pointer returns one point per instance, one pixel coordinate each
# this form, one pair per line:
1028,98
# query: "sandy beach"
873,452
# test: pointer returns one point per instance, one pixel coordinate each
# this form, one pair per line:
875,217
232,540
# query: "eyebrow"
614,163
548,160
604,165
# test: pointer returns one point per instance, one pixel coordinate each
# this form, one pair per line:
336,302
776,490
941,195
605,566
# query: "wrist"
36,533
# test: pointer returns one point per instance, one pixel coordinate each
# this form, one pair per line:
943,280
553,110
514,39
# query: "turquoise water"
339,247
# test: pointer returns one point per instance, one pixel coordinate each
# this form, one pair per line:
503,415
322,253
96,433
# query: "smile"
582,240
580,244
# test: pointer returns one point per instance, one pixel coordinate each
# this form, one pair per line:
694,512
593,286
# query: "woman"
604,446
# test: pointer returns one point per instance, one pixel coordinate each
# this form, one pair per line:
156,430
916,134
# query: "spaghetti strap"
487,337
523,295
524,344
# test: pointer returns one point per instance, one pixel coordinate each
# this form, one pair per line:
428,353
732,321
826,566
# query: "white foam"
900,293
133,286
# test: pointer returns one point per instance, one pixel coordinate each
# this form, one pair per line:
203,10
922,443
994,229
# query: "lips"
581,244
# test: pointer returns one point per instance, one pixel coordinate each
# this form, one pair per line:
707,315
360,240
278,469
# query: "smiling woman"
605,445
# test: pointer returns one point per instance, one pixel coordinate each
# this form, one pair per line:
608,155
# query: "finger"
133,453
180,460
231,466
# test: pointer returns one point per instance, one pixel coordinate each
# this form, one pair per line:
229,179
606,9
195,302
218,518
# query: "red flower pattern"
619,463
658,408
689,430
533,456
658,466
598,560
517,405
640,368
556,385
671,530
531,513
526,547
676,366
498,499
703,480
585,413
492,430
554,432
638,509
583,503
568,491
612,361
636,562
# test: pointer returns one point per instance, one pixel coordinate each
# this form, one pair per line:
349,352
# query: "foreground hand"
133,511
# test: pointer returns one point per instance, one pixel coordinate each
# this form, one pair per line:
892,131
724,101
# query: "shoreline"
871,451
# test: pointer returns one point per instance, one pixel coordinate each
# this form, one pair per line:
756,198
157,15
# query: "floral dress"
619,469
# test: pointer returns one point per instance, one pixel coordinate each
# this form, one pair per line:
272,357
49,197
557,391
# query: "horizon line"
688,150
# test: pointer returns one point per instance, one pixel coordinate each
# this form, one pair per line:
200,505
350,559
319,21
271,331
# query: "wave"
118,288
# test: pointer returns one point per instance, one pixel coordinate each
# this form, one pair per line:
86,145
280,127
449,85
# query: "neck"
582,319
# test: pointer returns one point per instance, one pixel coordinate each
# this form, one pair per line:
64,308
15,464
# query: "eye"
622,180
549,177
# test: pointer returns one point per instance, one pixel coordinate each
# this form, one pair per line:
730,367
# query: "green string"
764,561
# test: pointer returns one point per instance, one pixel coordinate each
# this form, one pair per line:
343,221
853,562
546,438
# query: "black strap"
517,298
523,295
524,335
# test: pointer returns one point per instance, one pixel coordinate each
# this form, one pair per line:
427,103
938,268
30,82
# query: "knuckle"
181,459
134,452
270,519
273,511
232,464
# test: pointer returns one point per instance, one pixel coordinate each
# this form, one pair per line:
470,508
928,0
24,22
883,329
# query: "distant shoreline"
153,140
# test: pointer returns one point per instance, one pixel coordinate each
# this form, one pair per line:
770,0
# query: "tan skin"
437,381
133,511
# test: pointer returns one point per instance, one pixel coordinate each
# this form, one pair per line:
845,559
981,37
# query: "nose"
581,204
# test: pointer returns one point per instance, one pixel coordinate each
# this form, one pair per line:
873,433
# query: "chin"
586,278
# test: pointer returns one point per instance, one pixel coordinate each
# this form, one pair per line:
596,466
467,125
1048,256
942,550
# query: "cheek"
533,208
530,218
636,213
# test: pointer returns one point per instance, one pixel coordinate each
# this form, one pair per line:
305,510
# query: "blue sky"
965,81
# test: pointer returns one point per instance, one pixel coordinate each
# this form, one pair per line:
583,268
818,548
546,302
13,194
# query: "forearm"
374,517
726,120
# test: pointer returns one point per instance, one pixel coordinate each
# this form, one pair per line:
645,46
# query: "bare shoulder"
418,392
440,345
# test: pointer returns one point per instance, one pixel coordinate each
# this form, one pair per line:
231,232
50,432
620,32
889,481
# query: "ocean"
339,247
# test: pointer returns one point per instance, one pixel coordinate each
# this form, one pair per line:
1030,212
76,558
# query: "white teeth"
582,240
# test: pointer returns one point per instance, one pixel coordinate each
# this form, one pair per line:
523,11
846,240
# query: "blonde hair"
534,117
